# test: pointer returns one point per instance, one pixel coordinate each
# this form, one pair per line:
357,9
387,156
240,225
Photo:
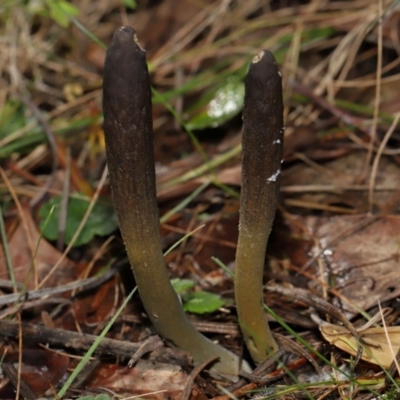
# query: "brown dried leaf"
376,348
144,378
46,257
341,174
364,261
40,369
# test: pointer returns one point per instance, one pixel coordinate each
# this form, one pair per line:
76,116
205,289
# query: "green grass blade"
92,349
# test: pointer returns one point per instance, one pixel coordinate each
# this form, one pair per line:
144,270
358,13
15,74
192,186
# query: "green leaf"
98,397
203,302
61,11
225,103
130,4
102,220
103,397
86,398
12,118
181,285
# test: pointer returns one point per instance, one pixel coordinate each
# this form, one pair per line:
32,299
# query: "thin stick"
376,105
377,158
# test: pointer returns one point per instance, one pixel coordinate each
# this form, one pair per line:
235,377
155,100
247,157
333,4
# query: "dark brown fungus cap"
129,135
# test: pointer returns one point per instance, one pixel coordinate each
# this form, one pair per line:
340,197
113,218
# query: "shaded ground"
335,238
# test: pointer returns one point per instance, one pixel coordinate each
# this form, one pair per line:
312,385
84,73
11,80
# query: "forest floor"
331,277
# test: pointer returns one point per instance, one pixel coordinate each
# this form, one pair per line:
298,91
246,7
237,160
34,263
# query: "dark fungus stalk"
129,144
261,168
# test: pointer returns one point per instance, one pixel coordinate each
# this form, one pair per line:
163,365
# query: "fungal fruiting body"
261,167
129,145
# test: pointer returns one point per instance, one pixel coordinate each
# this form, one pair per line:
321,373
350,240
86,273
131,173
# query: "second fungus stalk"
261,167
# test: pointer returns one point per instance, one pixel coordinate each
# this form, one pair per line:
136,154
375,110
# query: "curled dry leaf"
376,347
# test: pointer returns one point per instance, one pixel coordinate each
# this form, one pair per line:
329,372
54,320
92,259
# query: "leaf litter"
330,238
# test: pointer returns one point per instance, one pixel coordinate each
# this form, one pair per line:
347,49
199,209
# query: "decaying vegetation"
333,251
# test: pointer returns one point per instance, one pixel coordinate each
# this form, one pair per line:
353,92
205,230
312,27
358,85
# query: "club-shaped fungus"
261,168
129,146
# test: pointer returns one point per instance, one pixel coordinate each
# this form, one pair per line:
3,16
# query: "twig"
63,338
320,305
62,218
376,104
12,374
190,381
377,159
84,284
151,344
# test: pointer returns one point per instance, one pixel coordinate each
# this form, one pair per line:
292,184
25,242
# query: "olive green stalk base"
129,144
261,167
